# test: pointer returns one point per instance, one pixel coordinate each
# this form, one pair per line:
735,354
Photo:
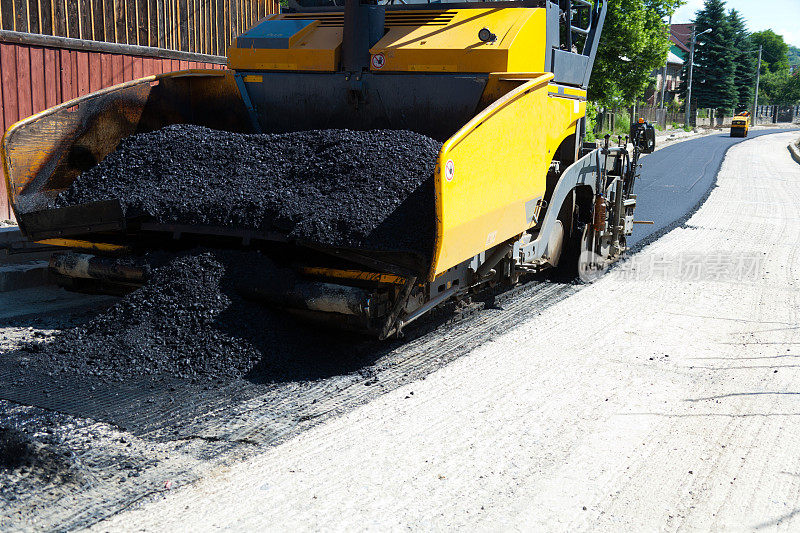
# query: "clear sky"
781,16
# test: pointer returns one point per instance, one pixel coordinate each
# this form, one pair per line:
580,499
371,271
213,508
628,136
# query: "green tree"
634,42
794,57
792,89
779,88
713,83
774,56
745,61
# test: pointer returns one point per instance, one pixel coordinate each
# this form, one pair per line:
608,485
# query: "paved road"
679,414
676,178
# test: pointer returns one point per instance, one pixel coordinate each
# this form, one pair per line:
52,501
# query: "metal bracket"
247,102
357,92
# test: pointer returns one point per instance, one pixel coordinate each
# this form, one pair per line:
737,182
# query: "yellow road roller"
740,126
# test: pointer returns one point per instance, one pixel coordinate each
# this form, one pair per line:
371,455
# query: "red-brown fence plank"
147,66
107,70
95,71
83,73
127,68
10,111
2,100
117,68
138,67
52,78
8,59
24,81
37,79
65,65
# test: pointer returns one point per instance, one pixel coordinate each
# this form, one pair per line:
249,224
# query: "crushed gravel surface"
359,189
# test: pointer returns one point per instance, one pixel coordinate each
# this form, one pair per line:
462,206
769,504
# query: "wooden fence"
664,118
54,50
38,72
199,26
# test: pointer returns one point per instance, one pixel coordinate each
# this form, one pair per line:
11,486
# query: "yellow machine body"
495,100
490,178
415,41
500,157
454,48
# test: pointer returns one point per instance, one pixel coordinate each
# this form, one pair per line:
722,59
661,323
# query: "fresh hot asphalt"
676,179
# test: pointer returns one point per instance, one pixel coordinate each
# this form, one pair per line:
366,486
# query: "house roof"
678,43
672,59
681,34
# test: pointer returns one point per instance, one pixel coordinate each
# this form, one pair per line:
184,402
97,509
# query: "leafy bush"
622,123
591,121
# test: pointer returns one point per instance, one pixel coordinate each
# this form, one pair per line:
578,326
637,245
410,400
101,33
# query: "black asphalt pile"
25,460
363,189
15,448
189,321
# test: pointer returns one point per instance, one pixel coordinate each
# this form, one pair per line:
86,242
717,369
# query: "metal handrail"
571,5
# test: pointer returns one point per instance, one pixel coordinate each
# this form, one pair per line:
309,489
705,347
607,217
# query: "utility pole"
687,121
691,67
664,68
758,75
